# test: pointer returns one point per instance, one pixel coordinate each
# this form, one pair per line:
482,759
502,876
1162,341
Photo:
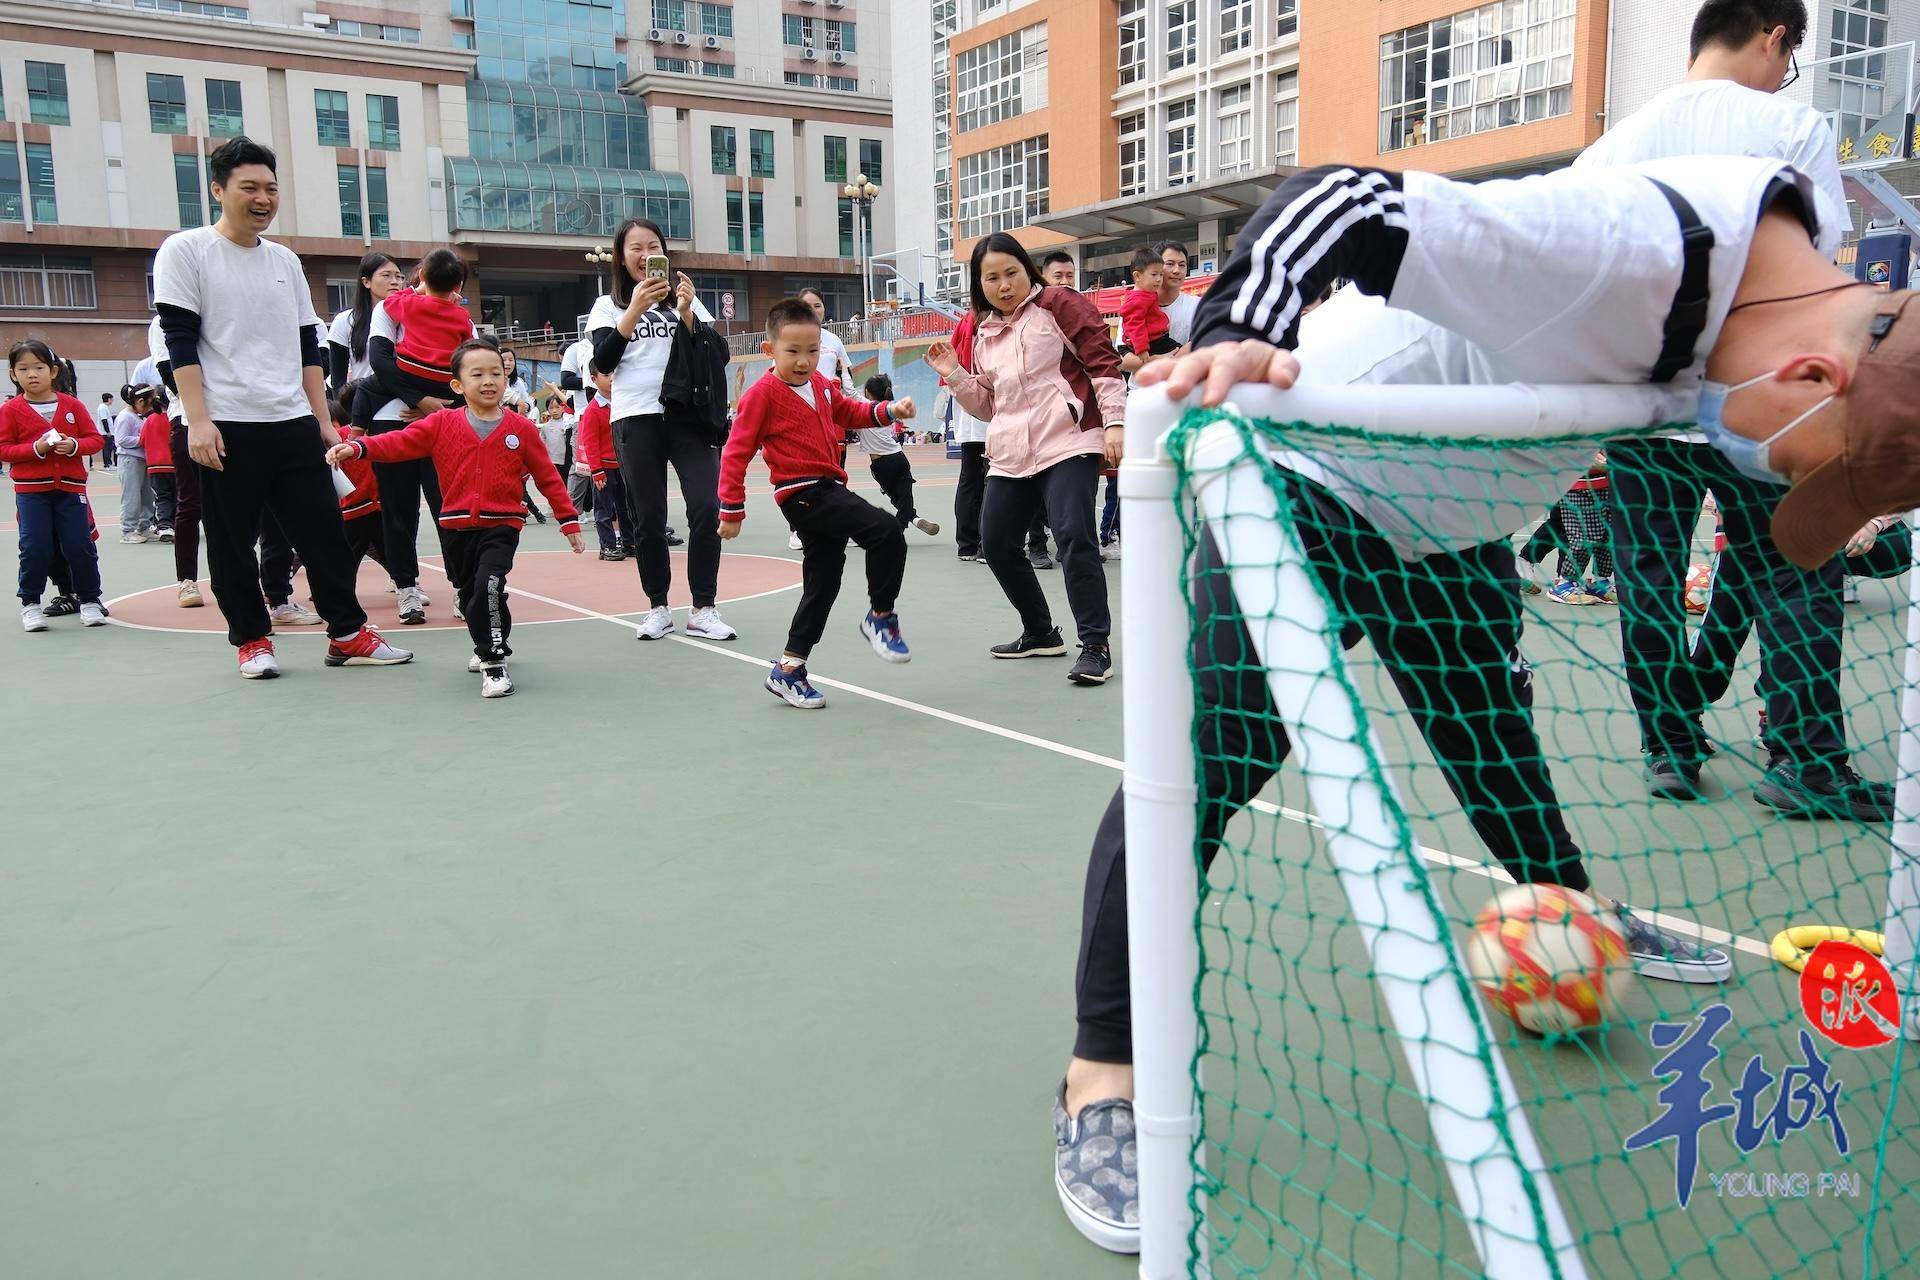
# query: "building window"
1289,17
1236,25
166,103
1181,131
671,15
756,222
188,191
847,249
726,151
841,84
383,122
330,118
797,31
674,66
717,70
1498,65
37,187
348,177
232,13
1003,77
716,20
1236,129
224,117
712,291
1133,153
1183,30
839,36
836,159
1286,118
760,157
1133,40
1002,188
47,93
1857,86
870,160
47,282
736,222
377,224
374,31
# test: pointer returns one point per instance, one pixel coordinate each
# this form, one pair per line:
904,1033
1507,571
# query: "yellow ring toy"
1792,946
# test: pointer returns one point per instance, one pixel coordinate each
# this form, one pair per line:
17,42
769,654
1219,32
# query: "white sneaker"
709,625
657,625
793,541
1111,551
190,594
131,539
165,535
33,618
426,601
292,614
257,661
475,666
495,683
92,615
412,605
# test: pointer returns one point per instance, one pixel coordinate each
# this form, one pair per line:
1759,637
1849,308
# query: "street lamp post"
863,193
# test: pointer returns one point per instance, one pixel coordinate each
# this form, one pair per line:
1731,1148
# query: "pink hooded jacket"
1045,380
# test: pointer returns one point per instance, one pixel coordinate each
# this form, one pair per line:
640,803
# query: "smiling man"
242,339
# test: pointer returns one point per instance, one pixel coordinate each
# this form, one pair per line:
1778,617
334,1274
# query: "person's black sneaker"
539,516
626,549
61,607
1047,645
674,539
1039,559
1795,792
611,553
1671,778
1094,666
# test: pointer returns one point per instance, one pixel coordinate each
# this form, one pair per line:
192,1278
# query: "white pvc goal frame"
1496,1179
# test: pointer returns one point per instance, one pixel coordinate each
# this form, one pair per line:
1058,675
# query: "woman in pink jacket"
1046,381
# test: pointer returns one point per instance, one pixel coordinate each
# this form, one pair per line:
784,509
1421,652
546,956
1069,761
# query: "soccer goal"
1320,1087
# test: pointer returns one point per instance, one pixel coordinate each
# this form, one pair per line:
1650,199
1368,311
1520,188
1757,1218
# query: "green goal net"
1394,725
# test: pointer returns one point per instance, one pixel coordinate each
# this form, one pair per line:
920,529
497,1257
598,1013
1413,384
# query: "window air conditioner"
810,54
837,58
681,38
656,36
712,42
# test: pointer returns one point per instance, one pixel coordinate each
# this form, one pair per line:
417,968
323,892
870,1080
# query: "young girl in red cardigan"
45,439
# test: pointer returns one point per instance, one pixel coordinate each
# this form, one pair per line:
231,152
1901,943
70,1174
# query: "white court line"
1440,857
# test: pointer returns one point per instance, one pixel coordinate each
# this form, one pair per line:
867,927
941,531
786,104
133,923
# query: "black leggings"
1448,629
1063,494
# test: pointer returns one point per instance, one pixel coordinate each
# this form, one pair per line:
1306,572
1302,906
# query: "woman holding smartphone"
633,327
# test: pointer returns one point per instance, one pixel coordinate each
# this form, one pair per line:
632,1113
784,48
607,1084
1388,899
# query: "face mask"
1751,458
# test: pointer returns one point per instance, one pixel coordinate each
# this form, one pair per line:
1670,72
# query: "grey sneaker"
1669,956
411,604
293,615
1096,1170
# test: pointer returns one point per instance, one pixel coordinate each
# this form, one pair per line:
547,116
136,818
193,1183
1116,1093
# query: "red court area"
584,581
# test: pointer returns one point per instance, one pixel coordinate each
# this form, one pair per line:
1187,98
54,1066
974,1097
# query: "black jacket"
695,385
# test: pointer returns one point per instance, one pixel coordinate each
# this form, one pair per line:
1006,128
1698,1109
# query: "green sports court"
642,973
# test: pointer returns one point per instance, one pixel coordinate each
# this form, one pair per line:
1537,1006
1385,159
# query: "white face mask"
1751,458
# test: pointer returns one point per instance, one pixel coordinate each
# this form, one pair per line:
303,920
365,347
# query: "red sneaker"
365,648
257,661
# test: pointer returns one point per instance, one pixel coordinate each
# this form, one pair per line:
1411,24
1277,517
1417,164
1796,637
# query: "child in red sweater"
1143,323
360,499
156,437
432,321
484,454
45,439
593,448
797,419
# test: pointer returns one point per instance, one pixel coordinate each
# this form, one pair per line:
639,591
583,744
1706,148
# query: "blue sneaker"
1565,592
1601,589
791,685
884,635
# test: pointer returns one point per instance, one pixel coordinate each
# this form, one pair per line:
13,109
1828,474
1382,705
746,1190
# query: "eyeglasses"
1793,68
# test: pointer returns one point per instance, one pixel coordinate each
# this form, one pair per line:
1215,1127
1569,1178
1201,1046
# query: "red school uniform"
800,441
21,425
593,439
156,437
482,481
365,498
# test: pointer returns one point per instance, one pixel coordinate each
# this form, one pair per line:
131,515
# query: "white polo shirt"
643,365
1565,277
252,303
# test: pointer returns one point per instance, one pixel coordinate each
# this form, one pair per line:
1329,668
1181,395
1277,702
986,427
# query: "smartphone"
657,266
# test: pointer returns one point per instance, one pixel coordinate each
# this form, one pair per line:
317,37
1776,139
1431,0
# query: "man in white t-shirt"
244,345
1180,307
1672,271
1742,53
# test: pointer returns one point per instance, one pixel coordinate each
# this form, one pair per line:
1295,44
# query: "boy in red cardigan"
797,419
45,439
483,454
593,448
156,437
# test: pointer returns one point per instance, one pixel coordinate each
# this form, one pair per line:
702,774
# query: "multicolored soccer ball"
1547,958
1699,587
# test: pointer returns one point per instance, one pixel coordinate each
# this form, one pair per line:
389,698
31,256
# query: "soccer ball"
1699,587
1547,958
